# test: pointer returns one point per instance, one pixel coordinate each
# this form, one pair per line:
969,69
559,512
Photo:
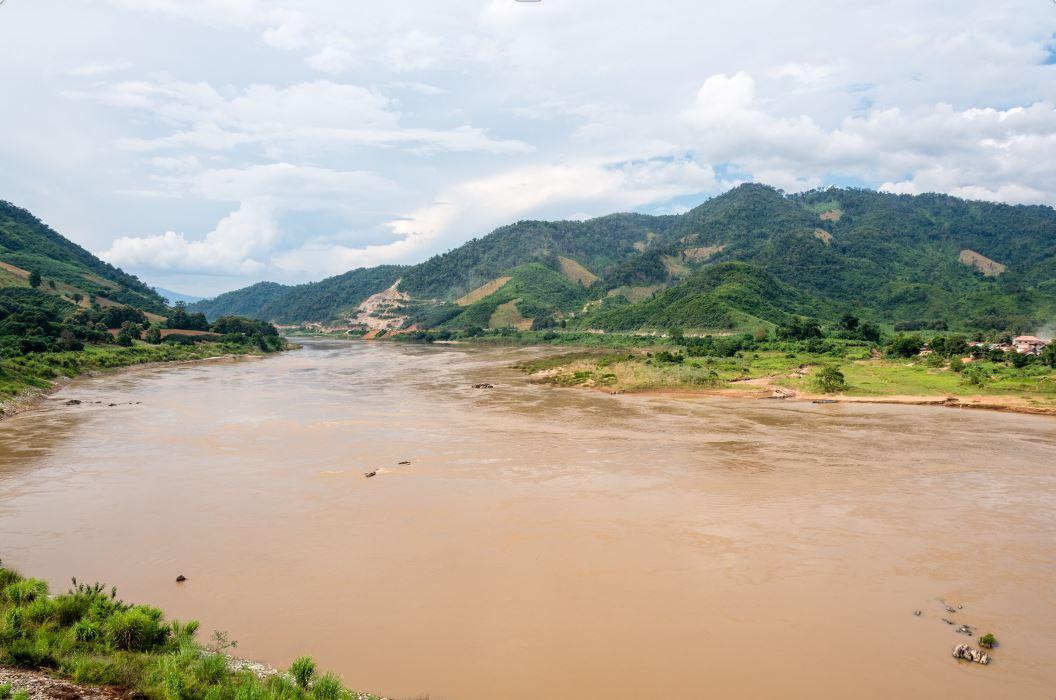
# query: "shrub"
327,688
25,591
87,631
7,577
303,671
906,345
136,629
988,640
974,375
830,379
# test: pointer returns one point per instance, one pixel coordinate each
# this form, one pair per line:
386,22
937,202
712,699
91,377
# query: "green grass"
643,371
91,637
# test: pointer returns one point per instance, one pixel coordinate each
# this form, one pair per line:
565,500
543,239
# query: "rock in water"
370,474
963,651
181,578
404,462
73,402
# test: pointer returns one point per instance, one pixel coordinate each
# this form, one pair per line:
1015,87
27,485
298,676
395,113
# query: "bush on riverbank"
90,636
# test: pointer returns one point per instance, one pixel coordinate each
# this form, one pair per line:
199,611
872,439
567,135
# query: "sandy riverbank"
767,389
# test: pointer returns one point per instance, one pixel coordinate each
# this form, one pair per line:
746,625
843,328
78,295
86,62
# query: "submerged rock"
370,474
963,651
73,402
917,613
965,629
181,578
403,462
484,385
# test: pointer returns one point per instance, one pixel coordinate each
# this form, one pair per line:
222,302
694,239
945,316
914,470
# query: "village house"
1029,345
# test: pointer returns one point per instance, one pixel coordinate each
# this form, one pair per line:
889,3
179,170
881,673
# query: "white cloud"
232,248
977,153
302,117
337,132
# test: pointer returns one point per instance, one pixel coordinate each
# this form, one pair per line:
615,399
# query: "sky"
205,145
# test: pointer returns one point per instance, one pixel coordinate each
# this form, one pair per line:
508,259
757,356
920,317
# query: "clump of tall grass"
92,637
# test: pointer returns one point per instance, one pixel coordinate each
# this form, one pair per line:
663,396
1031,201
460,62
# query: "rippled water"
547,542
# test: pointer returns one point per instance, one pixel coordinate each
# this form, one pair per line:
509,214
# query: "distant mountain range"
752,257
172,297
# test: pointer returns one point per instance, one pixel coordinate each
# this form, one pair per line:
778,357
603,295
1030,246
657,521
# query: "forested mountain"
326,300
29,248
57,297
896,259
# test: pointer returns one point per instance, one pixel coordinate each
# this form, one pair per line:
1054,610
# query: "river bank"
26,381
794,377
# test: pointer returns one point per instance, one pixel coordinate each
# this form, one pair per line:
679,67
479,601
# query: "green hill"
534,295
724,296
322,301
27,245
63,312
897,259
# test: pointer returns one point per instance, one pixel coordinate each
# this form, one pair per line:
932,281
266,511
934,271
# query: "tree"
830,380
956,345
974,375
34,279
848,322
1021,359
906,345
1048,355
800,328
153,336
676,335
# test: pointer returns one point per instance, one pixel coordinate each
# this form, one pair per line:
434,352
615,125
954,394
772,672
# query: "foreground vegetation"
91,637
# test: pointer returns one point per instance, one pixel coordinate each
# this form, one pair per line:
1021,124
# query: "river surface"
547,542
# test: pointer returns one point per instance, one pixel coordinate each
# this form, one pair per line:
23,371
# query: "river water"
547,542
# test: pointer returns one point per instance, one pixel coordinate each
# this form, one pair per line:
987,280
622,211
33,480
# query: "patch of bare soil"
40,686
382,311
484,290
702,253
831,215
988,267
823,235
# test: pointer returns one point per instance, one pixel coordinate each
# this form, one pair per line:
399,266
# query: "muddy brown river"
546,542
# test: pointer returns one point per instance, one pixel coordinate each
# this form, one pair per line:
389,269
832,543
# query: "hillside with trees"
34,255
64,311
926,261
326,300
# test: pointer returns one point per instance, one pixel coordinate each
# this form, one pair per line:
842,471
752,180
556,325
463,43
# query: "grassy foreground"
89,636
38,372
